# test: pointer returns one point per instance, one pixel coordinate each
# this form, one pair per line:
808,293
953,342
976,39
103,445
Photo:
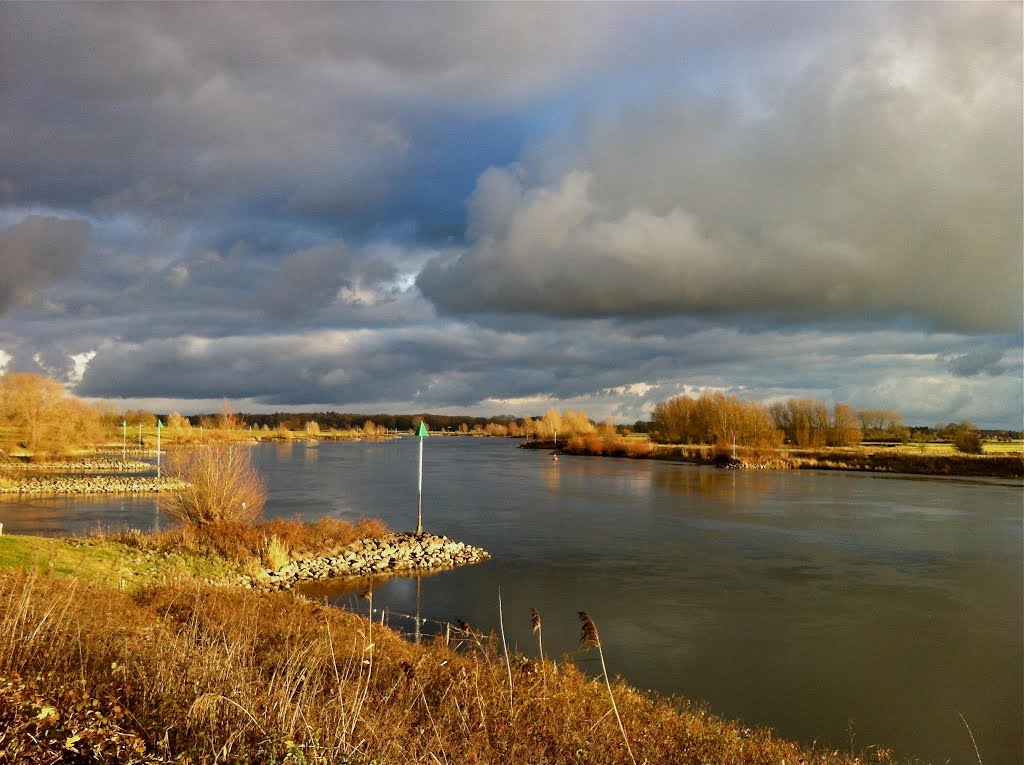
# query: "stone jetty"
90,484
395,552
86,465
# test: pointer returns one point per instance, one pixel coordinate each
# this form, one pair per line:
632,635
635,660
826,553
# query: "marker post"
423,433
159,427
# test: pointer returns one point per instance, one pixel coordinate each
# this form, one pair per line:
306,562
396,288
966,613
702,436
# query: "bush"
639,447
966,439
222,485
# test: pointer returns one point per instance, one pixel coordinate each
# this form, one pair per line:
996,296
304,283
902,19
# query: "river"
834,607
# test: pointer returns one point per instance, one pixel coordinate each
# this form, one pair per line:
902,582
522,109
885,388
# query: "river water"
833,607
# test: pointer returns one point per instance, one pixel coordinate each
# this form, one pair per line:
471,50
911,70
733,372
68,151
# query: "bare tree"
222,484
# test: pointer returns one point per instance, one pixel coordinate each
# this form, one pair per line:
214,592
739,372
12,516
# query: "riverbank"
177,671
882,460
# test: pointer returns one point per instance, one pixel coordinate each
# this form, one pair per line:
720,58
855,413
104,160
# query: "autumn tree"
36,412
844,429
883,425
140,416
178,423
713,417
228,419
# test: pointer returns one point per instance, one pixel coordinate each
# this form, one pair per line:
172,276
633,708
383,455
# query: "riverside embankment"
882,461
389,554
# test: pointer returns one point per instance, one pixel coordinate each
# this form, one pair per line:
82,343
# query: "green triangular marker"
159,424
423,430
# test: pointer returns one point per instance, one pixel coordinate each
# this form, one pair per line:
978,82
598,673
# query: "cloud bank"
884,181
507,207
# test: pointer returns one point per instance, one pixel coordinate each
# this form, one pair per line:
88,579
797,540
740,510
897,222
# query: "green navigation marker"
422,433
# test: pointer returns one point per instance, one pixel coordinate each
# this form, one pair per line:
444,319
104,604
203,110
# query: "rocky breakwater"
84,465
89,484
389,554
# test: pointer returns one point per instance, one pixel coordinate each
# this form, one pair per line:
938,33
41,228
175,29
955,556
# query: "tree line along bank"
37,415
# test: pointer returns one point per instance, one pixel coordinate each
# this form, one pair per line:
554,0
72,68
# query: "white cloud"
81,363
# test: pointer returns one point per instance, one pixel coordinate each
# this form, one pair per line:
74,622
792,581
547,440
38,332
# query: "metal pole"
158,429
419,512
140,435
124,440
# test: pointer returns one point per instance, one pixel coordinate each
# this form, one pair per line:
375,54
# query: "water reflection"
50,516
553,476
311,454
730,486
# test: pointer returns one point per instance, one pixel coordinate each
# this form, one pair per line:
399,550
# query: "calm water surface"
826,605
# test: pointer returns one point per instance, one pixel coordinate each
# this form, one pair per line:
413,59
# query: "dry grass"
210,675
241,542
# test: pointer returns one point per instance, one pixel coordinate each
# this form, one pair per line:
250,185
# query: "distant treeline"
352,421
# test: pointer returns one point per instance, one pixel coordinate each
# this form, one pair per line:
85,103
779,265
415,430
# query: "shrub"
222,485
275,554
966,439
639,447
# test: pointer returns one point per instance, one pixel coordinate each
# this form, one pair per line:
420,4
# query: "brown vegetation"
231,676
222,485
38,415
807,423
967,439
242,542
713,418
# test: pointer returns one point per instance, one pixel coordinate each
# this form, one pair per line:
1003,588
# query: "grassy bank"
190,673
933,460
220,553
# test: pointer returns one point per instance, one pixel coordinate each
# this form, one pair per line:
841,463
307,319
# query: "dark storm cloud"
306,282
669,184
883,181
35,252
985,359
201,111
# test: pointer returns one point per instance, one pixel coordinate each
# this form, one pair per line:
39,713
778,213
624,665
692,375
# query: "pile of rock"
391,553
84,465
90,484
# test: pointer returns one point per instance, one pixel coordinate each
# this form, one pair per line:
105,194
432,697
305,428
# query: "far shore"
882,460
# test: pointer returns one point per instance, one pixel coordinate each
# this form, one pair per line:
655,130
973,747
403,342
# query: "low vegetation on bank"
912,460
197,674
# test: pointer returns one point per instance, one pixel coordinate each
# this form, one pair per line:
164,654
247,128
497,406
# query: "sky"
506,207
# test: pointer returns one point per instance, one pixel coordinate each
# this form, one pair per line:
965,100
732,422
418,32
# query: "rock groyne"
84,465
90,484
392,553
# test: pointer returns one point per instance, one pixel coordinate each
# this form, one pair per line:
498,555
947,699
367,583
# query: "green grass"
107,562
